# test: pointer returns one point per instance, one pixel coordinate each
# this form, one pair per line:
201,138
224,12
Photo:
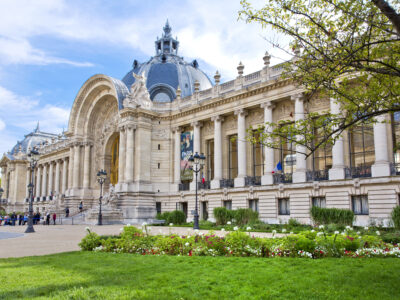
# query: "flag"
277,168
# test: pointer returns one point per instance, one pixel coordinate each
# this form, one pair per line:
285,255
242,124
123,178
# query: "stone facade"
240,175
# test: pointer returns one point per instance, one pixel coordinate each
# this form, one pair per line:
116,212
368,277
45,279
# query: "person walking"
81,206
54,218
25,218
20,219
13,218
67,212
48,218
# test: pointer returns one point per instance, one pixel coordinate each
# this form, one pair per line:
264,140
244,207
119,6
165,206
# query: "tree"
347,51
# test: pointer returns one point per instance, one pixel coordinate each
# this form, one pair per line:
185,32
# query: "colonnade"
126,153
380,168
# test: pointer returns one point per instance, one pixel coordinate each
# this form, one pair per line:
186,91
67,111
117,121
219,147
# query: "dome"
166,71
31,140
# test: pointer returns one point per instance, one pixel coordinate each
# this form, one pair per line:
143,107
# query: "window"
159,147
159,165
233,163
360,204
258,156
284,206
210,160
253,204
158,207
322,157
396,139
204,210
319,202
288,155
228,204
361,143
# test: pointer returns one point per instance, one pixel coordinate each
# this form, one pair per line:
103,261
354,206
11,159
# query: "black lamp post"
33,158
1,195
196,162
101,178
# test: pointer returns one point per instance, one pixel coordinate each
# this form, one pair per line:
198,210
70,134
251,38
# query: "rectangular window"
360,204
210,160
284,206
258,156
396,140
288,154
319,202
204,210
362,151
233,163
322,157
228,204
158,207
253,204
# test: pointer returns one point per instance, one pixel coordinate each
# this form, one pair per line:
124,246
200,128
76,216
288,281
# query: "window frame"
287,207
362,208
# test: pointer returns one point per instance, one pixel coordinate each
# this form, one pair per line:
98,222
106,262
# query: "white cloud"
20,114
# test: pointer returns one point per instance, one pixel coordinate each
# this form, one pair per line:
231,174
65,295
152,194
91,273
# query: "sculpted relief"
138,96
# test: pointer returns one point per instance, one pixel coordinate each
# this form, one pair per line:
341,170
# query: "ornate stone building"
141,130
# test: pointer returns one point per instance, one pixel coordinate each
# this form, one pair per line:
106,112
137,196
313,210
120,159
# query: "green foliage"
2,213
293,222
391,237
332,216
130,232
177,217
396,217
91,241
245,215
163,216
222,215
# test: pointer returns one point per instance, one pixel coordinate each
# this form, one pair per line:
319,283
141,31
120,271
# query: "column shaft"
218,148
86,167
28,181
57,179
381,167
38,181
337,170
129,154
301,163
122,155
70,167
64,176
77,158
269,165
241,148
44,181
177,157
50,186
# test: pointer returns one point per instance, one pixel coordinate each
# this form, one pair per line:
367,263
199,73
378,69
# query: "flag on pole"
277,168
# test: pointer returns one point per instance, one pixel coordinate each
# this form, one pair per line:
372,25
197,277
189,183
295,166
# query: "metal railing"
203,186
226,183
358,172
283,178
252,180
317,175
184,186
395,169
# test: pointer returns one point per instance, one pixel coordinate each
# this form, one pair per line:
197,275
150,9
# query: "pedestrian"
67,212
25,218
20,219
13,218
81,206
48,218
54,218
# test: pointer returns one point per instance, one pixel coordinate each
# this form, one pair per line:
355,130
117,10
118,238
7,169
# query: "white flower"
336,232
187,244
321,226
196,230
229,222
313,230
235,228
128,224
366,228
348,227
87,229
121,229
378,233
291,232
358,233
144,224
222,229
248,228
274,231
320,233
171,224
283,230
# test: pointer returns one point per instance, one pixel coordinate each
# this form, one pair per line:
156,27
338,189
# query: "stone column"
86,167
64,176
196,148
241,147
215,183
57,179
28,181
301,163
70,167
38,180
130,144
338,167
177,155
50,186
44,181
122,154
77,158
381,167
269,161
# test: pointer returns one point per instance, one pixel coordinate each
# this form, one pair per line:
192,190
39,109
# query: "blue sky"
49,48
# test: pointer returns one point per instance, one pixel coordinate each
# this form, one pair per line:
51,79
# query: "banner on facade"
186,152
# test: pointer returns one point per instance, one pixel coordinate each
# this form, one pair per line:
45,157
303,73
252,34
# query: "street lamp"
33,158
1,195
101,178
196,163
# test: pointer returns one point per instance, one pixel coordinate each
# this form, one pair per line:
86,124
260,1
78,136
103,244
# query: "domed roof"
166,71
31,140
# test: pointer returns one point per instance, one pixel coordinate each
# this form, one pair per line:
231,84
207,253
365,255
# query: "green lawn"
90,275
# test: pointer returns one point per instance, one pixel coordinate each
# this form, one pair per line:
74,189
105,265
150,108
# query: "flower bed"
307,244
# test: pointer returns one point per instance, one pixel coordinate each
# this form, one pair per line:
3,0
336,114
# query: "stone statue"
111,197
138,96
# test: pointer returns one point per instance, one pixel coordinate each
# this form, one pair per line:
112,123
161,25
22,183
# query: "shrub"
177,217
90,241
332,215
391,237
396,217
222,215
163,216
293,223
245,215
130,232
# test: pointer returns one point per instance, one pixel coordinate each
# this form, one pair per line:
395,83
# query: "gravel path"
64,238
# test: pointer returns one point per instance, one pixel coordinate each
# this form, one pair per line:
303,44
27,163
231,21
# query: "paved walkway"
63,238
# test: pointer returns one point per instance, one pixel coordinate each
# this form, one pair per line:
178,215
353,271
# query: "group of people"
22,219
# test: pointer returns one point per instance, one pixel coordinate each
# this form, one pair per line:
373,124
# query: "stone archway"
111,158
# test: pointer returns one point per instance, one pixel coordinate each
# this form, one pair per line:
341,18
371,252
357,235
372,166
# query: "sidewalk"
64,238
